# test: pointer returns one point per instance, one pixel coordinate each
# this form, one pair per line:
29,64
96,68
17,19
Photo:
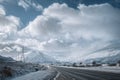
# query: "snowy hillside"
38,57
15,51
110,53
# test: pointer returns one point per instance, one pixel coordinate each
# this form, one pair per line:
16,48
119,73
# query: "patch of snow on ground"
39,75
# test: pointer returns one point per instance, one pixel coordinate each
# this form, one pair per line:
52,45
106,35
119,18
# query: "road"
80,74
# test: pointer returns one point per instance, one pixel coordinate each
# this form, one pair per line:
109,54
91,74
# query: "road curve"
80,74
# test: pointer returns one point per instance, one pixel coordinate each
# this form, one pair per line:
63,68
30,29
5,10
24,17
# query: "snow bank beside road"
39,75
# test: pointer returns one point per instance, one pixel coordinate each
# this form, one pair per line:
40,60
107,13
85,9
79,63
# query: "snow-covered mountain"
16,51
108,54
36,56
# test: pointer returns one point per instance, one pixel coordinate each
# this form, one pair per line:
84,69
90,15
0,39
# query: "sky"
63,29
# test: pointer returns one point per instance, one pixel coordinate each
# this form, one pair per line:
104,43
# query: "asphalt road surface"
80,74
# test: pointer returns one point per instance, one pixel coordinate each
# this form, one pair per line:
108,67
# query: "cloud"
2,10
1,1
74,32
37,6
59,19
8,24
23,4
42,26
28,3
87,20
102,19
60,11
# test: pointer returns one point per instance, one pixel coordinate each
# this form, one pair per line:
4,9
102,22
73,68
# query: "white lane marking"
58,74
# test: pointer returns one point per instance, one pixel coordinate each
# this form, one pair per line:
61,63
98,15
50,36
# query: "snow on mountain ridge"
38,57
110,53
15,51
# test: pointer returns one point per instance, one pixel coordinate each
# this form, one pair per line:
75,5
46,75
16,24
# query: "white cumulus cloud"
42,27
62,29
8,25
